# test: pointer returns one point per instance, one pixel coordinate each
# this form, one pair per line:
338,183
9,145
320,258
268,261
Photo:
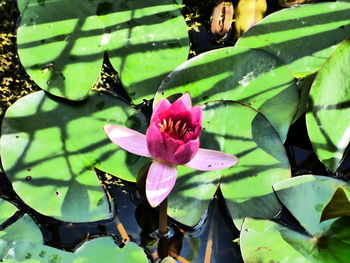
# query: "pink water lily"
171,139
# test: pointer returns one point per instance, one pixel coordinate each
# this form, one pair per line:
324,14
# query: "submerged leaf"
24,229
22,241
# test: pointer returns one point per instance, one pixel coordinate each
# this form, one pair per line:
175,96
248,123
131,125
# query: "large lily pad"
61,43
49,148
233,73
317,190
328,121
303,36
266,241
247,186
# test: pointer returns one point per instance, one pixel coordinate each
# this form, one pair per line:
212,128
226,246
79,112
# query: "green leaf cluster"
294,61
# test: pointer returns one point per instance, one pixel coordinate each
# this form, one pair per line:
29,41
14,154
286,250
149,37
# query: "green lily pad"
338,206
22,242
303,36
98,250
267,241
328,122
58,144
23,229
6,210
316,191
61,43
251,76
247,186
323,242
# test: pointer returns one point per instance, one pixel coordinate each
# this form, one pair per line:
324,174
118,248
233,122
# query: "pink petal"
196,116
182,104
209,160
130,140
171,145
186,100
155,142
162,106
160,181
186,152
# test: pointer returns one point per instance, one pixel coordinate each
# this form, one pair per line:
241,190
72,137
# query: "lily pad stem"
163,217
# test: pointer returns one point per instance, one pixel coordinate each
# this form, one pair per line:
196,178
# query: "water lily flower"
171,139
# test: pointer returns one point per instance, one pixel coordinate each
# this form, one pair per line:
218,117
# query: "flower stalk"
163,218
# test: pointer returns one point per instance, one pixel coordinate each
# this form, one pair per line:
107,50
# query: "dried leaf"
222,18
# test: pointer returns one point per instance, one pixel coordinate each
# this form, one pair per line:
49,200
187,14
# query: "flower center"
176,130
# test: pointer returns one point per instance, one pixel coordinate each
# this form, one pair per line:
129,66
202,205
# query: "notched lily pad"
247,186
58,144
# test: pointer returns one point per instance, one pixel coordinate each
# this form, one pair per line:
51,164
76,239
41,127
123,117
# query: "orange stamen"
177,130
